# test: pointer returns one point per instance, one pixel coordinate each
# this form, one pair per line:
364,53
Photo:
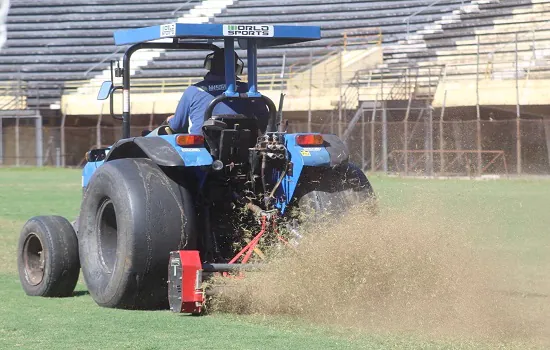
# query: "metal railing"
13,95
408,19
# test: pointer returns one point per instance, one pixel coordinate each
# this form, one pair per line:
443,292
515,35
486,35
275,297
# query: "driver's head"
215,63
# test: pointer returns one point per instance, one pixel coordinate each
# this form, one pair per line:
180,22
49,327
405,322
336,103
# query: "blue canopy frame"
250,36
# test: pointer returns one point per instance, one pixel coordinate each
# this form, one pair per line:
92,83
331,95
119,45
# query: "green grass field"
511,218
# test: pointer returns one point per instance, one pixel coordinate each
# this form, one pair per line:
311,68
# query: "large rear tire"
132,216
47,257
335,192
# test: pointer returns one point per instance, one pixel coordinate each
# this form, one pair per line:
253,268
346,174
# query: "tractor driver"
189,116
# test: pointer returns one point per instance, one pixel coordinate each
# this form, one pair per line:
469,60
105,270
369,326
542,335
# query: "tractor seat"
229,137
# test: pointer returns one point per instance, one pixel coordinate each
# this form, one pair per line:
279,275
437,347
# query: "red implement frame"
185,292
185,270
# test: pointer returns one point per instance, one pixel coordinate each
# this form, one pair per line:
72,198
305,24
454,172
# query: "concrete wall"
461,93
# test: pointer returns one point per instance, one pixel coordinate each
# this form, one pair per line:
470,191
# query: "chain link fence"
449,149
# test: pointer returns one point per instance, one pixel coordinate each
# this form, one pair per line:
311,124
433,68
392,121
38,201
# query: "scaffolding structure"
404,92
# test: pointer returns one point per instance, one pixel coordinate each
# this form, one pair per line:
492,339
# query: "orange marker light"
189,140
309,140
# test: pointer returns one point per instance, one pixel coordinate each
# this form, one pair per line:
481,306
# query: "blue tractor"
162,212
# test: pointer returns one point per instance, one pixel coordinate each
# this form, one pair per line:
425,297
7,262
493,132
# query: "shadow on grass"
80,293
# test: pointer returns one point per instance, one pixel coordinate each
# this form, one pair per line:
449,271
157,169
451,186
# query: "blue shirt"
189,116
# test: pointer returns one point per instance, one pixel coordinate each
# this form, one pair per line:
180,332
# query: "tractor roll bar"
272,123
175,45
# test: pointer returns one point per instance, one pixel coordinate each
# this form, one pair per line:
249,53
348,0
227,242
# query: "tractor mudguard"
336,149
331,154
154,148
300,157
162,150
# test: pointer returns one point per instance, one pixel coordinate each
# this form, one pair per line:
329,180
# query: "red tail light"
189,140
309,140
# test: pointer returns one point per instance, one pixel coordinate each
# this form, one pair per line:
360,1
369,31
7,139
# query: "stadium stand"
352,24
58,41
54,45
452,49
61,48
52,42
355,17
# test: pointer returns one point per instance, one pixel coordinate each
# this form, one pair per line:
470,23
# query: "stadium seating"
51,42
452,50
356,17
56,45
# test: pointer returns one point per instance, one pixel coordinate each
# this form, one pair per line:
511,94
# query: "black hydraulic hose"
277,184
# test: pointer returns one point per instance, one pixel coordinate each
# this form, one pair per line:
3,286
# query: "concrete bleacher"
453,49
335,17
361,21
61,46
52,42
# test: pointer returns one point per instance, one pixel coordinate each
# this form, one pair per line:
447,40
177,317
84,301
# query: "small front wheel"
47,257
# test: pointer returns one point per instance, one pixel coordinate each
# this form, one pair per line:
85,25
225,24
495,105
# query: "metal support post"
362,139
57,157
39,141
282,75
429,142
546,124
151,117
406,133
340,96
478,115
310,91
252,57
63,149
98,131
17,153
382,87
441,137
430,131
332,122
518,115
1,142
384,136
372,143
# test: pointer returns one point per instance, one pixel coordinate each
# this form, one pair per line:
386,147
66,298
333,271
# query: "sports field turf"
511,218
